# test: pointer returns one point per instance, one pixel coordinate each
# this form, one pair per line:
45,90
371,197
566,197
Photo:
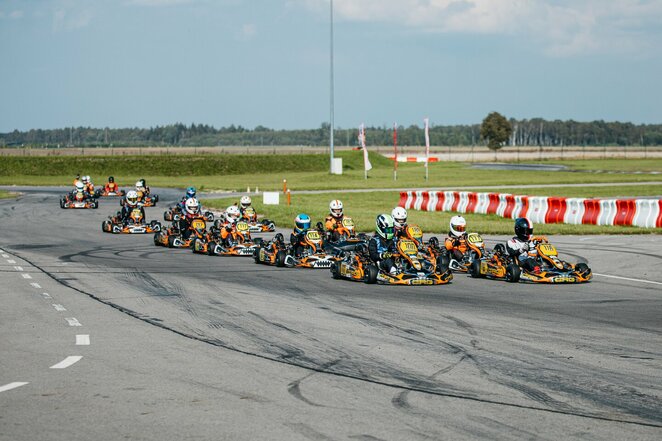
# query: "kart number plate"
474,238
313,236
198,224
242,227
348,223
408,247
548,249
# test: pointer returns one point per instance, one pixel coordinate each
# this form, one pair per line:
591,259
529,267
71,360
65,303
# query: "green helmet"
384,226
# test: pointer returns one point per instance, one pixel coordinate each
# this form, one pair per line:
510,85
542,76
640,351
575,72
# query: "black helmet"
523,228
384,226
111,179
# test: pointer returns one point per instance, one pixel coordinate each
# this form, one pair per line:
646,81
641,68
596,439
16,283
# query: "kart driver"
399,215
244,203
456,242
298,236
79,188
523,245
89,186
130,204
111,186
191,212
232,215
381,245
334,220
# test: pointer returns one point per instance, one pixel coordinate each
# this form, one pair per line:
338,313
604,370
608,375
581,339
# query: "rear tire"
280,258
106,227
370,275
211,246
171,241
335,271
474,269
442,263
157,236
582,269
513,273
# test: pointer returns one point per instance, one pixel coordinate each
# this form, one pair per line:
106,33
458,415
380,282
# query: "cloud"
562,27
247,32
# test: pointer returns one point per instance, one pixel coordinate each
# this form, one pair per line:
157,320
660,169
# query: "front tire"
474,269
513,273
370,275
280,258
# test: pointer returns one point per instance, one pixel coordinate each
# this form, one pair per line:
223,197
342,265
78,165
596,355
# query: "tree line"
536,131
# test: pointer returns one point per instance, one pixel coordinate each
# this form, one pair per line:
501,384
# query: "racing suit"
381,252
331,225
298,241
525,252
124,215
456,246
184,224
111,187
228,233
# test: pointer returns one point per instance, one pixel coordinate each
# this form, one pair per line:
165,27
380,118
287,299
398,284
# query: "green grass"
364,207
444,174
6,194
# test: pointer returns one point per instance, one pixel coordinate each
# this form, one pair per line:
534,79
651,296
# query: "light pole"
331,89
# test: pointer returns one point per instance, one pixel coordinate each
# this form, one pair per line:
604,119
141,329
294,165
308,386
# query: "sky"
143,63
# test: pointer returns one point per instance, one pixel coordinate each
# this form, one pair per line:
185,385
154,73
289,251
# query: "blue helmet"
302,222
190,192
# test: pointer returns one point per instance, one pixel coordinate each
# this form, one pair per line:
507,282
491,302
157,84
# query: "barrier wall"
646,213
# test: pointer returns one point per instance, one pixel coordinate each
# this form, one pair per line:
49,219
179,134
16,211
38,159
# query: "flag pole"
395,151
427,147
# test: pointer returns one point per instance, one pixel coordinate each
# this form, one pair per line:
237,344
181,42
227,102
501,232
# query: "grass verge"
7,194
364,207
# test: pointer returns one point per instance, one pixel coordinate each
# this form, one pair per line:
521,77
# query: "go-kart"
172,237
475,250
78,200
135,224
173,213
145,200
103,193
343,237
499,265
255,226
412,267
313,255
239,242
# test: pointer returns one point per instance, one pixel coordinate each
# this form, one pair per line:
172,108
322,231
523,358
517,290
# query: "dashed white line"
628,278
73,321
26,275
46,295
59,307
11,261
67,362
6,256
82,339
36,285
13,385
18,268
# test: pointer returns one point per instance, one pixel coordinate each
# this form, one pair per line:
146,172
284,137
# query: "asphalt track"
108,337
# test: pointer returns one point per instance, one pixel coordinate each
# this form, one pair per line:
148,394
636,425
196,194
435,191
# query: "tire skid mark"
425,389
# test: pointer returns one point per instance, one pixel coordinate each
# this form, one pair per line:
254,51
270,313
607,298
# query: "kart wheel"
370,275
499,249
95,205
156,198
434,242
62,203
211,246
582,269
474,269
256,255
280,258
442,263
335,271
512,273
171,241
209,216
167,215
157,242
105,226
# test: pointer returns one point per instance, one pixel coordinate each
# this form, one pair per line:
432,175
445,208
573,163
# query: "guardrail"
646,213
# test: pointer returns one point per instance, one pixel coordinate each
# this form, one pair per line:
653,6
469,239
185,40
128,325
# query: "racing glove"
386,255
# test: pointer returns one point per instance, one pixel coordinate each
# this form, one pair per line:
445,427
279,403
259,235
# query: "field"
6,194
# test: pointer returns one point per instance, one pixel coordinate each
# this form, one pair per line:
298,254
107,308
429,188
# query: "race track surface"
108,337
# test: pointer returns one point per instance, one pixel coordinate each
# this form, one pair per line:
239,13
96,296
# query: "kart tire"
499,249
442,263
209,216
106,226
211,246
370,275
62,203
156,198
582,269
95,205
334,271
171,241
157,236
256,255
434,242
280,258
474,269
513,273
167,215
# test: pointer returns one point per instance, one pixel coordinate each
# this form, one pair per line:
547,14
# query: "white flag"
427,141
366,161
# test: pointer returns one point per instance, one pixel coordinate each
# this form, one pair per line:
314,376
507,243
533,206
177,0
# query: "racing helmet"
111,179
132,198
245,202
335,208
190,192
523,228
232,214
192,206
301,222
89,180
458,226
399,216
140,186
85,179
80,186
385,226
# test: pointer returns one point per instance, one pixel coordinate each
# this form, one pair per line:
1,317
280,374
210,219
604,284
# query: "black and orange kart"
257,226
103,192
172,237
78,201
313,254
238,243
472,248
499,265
135,224
175,212
412,267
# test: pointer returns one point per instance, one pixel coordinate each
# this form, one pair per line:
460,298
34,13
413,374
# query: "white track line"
82,339
11,261
67,362
26,275
36,285
46,295
6,256
11,386
59,307
628,278
73,321
18,268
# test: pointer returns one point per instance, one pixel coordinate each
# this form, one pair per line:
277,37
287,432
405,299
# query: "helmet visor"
303,225
336,212
460,228
132,200
388,232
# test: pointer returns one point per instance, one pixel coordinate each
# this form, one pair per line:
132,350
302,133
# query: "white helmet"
245,201
80,186
89,180
192,206
132,198
139,186
335,208
85,179
399,216
458,226
232,214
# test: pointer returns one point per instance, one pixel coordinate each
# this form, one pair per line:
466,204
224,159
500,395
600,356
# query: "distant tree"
496,130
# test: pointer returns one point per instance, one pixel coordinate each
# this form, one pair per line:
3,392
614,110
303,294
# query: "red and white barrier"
646,213
404,158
